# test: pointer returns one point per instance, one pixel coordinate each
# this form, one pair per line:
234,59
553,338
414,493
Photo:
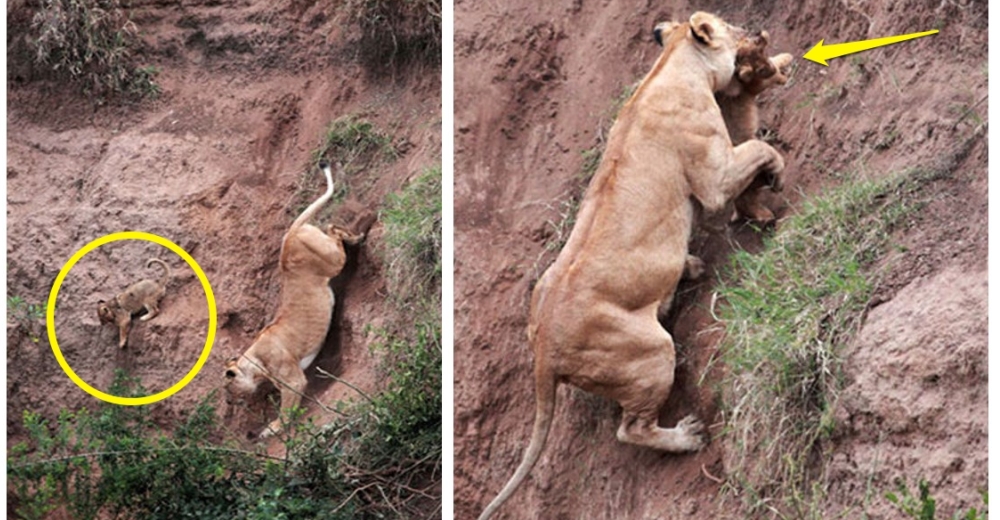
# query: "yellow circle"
50,313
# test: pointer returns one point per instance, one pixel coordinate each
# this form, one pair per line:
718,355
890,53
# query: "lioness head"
715,40
239,383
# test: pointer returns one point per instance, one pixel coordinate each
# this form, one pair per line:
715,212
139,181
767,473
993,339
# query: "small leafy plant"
25,316
924,506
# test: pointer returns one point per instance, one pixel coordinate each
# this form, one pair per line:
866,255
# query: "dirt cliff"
219,164
535,86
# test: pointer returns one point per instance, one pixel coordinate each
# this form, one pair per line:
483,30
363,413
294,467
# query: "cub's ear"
662,30
703,27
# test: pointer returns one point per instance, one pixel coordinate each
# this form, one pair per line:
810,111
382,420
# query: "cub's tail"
166,270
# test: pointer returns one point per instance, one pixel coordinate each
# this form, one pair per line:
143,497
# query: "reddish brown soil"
216,165
535,83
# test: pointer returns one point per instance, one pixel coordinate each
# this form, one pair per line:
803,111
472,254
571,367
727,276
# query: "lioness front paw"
774,175
777,182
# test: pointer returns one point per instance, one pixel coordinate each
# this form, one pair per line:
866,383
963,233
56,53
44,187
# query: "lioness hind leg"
650,376
328,252
686,436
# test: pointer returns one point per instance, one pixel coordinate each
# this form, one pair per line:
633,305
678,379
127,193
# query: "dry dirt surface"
218,165
535,84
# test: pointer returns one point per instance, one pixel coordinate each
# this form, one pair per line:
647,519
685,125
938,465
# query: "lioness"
593,319
144,294
286,346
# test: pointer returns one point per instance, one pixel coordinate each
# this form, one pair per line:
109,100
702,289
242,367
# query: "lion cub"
145,294
755,73
309,258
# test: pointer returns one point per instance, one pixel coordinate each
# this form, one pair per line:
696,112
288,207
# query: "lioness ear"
702,27
663,29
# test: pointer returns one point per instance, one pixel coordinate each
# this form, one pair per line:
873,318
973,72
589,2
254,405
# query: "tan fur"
755,73
285,348
593,312
144,294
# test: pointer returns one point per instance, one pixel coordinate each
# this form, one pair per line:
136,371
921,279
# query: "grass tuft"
788,312
353,145
412,220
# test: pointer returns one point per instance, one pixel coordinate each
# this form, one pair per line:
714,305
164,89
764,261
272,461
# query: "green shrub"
26,316
95,464
924,507
113,464
91,42
354,143
412,241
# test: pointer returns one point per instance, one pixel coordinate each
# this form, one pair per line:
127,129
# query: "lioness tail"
314,207
545,404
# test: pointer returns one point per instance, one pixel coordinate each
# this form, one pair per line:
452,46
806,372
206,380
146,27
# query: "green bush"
113,464
109,463
354,143
924,506
412,241
26,316
91,42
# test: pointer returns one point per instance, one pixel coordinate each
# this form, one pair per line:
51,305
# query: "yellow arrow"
820,53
